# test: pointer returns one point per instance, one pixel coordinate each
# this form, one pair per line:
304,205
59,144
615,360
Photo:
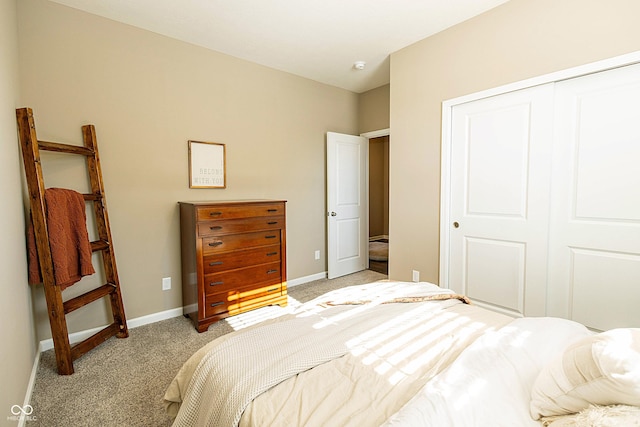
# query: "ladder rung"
64,148
84,299
99,245
92,197
94,340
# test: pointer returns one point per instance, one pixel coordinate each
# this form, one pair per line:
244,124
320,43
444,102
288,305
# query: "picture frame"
207,165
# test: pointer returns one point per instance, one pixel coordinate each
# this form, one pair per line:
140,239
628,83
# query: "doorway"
379,204
348,201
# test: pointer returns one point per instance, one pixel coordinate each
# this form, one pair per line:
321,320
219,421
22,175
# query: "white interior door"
347,215
499,183
594,272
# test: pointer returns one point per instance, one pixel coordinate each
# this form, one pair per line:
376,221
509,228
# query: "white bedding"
365,359
490,383
385,350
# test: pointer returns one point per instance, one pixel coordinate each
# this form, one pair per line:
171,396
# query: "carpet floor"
121,382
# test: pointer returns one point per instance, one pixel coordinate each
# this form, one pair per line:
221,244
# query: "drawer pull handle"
211,264
272,222
215,243
215,213
272,210
215,227
215,304
215,283
274,289
272,253
272,271
270,237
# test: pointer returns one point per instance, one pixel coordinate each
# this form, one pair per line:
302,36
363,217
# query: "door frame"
368,135
447,117
372,135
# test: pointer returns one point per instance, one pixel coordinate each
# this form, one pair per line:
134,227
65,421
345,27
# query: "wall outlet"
317,255
416,276
166,283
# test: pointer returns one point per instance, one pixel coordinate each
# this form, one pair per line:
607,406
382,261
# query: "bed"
407,354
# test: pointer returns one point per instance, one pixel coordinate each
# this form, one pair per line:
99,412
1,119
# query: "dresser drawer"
224,261
232,242
221,303
230,226
235,279
206,213
257,295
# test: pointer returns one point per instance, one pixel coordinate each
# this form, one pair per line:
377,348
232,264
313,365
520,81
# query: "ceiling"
317,39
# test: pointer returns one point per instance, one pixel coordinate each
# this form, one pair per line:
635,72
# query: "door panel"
500,264
595,220
500,167
347,204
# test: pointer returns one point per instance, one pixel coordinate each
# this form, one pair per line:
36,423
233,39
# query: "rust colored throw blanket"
68,239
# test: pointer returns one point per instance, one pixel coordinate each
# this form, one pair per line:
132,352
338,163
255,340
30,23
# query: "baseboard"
163,315
306,279
27,395
133,323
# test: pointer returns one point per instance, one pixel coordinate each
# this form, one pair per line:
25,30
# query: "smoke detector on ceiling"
359,65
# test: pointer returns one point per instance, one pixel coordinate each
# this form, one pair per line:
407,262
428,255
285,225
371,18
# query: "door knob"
333,214
455,224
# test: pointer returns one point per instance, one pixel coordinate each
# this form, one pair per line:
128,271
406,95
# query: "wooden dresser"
233,258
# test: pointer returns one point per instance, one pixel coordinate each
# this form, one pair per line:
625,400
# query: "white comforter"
360,362
363,349
490,383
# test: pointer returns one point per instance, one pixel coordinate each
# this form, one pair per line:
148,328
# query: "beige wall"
147,96
373,109
518,40
373,114
17,338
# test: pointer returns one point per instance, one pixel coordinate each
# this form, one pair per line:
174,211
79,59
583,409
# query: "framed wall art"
207,165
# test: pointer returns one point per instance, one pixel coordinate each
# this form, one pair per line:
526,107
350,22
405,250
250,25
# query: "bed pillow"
603,369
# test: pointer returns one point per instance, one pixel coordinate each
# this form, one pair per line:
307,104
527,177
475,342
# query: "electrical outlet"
166,283
416,276
317,255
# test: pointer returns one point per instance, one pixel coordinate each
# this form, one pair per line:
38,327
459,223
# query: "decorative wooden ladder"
57,308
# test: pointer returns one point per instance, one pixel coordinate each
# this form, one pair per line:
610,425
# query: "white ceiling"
316,39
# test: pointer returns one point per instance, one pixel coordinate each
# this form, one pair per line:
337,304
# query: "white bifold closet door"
545,200
500,176
594,251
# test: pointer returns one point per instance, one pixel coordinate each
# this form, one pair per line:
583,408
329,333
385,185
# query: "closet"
541,199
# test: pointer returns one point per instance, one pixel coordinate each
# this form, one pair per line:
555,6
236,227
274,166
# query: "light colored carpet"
121,382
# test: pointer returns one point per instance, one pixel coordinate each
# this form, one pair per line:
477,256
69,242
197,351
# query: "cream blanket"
374,350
